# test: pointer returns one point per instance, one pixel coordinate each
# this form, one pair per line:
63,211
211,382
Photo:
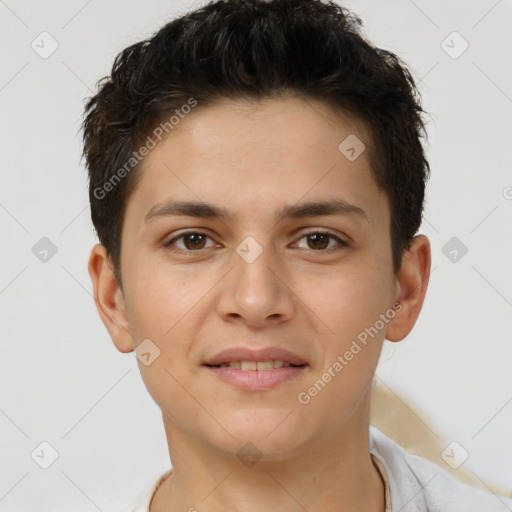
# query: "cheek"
348,301
164,310
352,304
168,307
162,297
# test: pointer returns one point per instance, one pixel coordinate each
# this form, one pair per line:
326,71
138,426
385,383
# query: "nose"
257,290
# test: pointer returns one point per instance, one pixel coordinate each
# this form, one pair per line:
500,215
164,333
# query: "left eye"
196,240
320,240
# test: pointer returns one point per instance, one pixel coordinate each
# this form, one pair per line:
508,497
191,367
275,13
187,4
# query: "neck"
328,475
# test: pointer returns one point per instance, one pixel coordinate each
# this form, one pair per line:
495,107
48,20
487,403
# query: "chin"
273,432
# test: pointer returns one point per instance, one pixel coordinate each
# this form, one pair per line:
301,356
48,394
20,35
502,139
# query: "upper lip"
246,354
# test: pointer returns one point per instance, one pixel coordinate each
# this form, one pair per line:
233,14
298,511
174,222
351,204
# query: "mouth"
257,365
252,359
256,370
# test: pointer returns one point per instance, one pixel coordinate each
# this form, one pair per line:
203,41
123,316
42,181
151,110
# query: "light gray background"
62,380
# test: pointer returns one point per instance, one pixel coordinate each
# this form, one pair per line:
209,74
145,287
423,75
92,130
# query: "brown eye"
319,241
192,241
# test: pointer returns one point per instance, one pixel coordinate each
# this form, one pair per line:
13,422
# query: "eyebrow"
209,211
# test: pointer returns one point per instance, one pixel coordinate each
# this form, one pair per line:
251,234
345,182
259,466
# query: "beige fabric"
408,428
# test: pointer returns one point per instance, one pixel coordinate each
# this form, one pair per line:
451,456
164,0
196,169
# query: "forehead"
296,125
255,155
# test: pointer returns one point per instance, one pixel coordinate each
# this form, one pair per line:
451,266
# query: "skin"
310,296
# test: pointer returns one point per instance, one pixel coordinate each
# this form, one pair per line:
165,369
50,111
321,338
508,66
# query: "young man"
256,182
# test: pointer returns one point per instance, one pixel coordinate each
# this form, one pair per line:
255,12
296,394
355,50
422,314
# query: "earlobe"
109,299
413,282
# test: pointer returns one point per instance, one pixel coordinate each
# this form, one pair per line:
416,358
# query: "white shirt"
412,484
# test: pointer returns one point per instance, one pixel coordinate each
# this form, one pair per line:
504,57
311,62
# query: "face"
301,285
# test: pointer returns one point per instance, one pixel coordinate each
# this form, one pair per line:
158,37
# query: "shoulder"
417,484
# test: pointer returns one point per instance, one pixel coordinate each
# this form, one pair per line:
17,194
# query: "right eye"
192,241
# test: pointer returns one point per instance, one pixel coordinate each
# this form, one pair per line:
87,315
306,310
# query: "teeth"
248,365
265,365
256,365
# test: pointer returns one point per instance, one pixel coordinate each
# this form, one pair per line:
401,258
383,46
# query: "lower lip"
257,380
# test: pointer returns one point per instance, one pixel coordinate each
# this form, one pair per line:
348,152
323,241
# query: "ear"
109,299
411,288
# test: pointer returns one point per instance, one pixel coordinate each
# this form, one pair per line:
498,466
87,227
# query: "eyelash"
170,246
